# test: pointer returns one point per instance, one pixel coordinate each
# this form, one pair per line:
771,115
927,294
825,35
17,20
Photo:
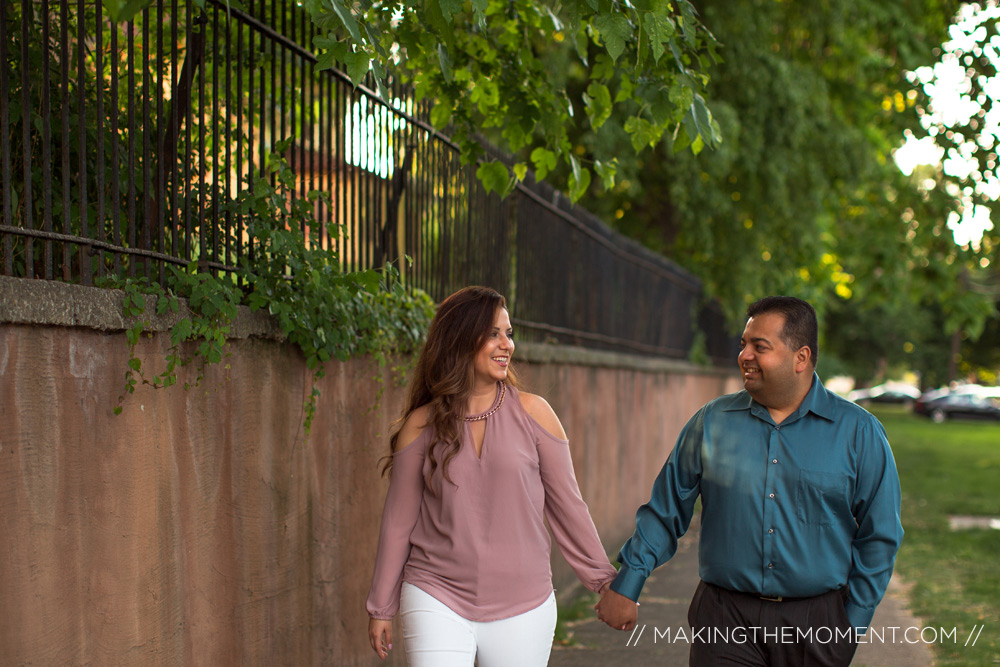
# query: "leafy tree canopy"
803,195
483,63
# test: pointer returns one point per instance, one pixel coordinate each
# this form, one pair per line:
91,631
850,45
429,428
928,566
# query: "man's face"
766,362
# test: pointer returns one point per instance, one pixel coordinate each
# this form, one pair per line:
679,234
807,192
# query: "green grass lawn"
950,469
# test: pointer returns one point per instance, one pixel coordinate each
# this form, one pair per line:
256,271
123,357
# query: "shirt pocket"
821,498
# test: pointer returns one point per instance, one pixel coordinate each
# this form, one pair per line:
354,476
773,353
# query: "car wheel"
938,415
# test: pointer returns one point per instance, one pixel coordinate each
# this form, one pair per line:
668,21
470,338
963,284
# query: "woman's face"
494,356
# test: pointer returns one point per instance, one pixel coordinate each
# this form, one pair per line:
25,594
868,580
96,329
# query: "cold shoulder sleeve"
568,515
399,516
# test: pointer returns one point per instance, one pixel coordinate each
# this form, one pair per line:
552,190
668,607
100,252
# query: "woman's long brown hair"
445,373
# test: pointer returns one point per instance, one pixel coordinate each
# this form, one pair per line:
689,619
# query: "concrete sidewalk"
664,605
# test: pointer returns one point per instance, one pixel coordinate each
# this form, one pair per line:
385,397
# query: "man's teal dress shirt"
795,509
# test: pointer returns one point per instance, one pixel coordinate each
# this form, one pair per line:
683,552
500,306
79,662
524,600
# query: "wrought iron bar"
110,247
6,186
28,206
67,269
99,126
46,143
116,232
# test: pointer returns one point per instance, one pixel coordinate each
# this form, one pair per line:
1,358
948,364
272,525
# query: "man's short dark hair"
800,330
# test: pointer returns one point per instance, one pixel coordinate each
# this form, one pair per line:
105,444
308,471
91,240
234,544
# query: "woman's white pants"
435,636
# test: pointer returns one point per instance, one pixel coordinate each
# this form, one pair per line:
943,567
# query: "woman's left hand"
380,636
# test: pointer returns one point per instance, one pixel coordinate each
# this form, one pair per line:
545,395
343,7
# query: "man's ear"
803,359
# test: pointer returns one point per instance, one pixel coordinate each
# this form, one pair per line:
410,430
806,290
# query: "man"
800,509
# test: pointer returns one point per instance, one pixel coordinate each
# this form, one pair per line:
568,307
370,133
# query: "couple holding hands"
799,493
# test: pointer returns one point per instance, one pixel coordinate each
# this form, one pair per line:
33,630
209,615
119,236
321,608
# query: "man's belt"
773,598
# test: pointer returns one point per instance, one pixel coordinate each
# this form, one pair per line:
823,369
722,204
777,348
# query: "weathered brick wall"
201,527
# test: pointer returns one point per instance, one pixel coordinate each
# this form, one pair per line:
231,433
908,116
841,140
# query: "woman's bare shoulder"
542,412
414,425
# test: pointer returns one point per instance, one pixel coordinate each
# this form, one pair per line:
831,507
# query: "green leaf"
681,140
703,121
615,31
580,42
449,8
121,11
181,331
659,28
625,90
445,61
575,167
494,176
607,171
437,22
520,171
441,114
544,161
479,8
579,181
697,145
598,103
325,61
325,42
368,280
347,19
358,64
662,108
642,133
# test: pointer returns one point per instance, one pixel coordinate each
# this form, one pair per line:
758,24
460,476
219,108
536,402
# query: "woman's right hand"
380,636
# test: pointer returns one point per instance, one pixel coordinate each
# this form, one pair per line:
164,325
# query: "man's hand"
380,636
617,610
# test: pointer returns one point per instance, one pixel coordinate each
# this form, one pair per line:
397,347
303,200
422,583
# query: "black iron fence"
124,145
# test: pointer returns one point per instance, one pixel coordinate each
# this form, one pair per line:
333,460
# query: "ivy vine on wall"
327,312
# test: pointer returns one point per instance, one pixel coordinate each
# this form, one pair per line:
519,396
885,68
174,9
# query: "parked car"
978,390
940,405
890,392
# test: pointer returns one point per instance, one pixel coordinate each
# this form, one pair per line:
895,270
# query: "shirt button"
770,565
774,460
770,530
770,495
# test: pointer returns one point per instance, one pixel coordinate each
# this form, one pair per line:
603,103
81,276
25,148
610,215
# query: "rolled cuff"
628,583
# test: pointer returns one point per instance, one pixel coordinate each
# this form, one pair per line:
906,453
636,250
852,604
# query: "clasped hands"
616,610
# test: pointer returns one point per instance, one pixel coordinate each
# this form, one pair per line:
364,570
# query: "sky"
952,106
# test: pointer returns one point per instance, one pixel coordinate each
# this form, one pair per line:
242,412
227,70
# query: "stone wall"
201,527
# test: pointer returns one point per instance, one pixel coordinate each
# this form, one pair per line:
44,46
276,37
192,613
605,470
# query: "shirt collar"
818,401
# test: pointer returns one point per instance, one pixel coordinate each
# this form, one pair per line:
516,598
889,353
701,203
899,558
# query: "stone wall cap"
582,356
54,303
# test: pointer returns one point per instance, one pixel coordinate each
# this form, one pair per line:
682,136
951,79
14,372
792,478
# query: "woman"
463,552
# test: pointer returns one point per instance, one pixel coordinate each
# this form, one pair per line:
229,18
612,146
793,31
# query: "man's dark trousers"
733,628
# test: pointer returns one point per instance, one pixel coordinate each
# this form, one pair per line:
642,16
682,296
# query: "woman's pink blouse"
480,545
